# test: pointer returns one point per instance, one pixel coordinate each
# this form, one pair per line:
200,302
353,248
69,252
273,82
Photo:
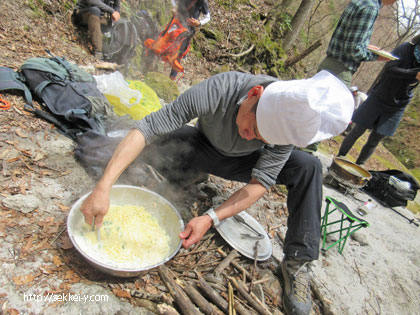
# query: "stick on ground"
176,291
199,300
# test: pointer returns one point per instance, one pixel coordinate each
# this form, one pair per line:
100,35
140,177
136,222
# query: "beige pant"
93,23
336,68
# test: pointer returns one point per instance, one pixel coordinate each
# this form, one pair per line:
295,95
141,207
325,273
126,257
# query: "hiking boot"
296,292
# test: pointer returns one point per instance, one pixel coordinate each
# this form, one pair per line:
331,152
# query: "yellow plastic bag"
132,98
115,85
148,103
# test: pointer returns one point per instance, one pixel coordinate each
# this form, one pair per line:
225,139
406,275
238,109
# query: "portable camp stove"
346,176
334,180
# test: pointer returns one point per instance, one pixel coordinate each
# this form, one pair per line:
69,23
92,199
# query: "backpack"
145,26
67,92
121,46
384,187
168,44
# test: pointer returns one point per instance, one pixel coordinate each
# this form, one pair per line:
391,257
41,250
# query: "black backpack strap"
62,127
75,112
62,61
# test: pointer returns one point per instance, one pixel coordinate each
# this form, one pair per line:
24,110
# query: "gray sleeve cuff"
143,127
262,178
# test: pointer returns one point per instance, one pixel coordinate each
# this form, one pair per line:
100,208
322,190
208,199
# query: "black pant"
183,153
368,148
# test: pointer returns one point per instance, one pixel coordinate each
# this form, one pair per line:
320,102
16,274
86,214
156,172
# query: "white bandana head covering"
301,112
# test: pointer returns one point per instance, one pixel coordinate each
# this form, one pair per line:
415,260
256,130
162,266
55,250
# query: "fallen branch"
231,300
235,264
212,294
71,266
226,262
257,305
281,237
306,52
145,295
254,265
243,53
165,309
199,300
217,299
58,235
177,293
195,252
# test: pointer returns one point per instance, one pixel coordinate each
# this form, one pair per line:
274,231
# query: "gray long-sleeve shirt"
215,102
101,4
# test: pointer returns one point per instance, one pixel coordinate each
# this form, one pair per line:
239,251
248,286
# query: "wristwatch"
213,217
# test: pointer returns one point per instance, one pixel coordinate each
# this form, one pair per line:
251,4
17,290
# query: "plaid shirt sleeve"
359,37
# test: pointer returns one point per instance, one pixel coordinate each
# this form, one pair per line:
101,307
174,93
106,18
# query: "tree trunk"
284,4
297,23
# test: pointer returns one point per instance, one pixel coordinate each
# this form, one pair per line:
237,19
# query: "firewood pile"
208,279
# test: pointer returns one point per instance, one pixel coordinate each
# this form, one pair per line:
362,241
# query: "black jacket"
395,87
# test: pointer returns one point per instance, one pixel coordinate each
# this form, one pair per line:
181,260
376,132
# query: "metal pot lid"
242,232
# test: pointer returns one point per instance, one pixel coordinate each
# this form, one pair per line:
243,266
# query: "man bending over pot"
247,129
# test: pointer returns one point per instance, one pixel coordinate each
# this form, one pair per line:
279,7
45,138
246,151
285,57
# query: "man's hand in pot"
95,205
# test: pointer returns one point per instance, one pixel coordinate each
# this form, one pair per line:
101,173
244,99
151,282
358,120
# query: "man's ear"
256,91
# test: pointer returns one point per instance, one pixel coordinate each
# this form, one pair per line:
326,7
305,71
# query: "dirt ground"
378,272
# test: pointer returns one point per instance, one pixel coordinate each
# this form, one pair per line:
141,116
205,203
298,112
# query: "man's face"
247,120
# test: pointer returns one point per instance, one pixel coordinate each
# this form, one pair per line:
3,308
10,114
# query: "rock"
163,86
61,145
360,238
332,238
202,195
210,189
272,286
94,299
49,189
259,293
23,203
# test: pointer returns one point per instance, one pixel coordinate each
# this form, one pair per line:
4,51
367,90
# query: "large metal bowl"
164,212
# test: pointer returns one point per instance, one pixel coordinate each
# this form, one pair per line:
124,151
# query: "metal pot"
348,173
164,212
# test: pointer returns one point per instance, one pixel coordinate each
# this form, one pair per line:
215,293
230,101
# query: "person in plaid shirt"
348,46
